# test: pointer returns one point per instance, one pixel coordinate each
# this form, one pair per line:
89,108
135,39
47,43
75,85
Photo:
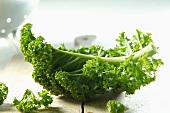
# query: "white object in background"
13,13
84,40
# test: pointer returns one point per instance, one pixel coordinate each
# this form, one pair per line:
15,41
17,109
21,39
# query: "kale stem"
149,50
76,72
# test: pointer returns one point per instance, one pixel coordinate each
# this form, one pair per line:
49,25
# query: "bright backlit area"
63,20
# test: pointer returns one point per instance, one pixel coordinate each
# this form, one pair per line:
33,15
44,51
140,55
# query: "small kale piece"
3,92
30,102
114,106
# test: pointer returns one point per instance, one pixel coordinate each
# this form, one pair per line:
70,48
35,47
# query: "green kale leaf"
82,73
3,92
30,102
114,106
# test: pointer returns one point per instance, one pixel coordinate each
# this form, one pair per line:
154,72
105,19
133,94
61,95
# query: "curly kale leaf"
127,46
98,76
30,102
87,71
3,92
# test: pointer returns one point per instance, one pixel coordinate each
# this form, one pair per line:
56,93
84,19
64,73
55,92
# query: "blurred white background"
62,20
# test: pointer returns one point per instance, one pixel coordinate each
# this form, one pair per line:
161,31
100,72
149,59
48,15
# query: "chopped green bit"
30,102
3,92
114,106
